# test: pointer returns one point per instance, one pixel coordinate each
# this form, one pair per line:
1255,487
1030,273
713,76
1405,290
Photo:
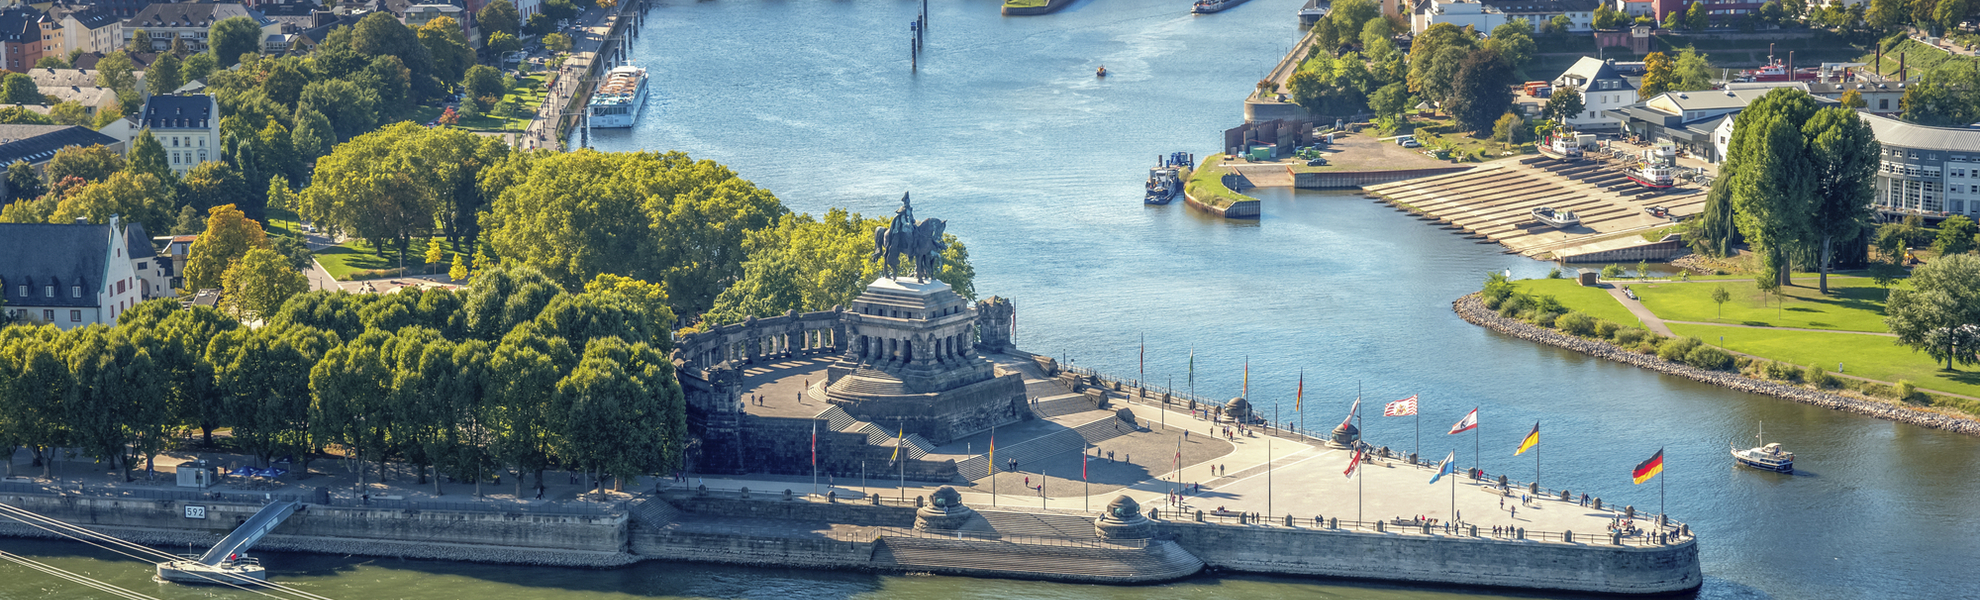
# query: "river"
1037,165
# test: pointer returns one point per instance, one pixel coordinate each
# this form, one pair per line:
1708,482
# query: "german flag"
1532,439
1649,468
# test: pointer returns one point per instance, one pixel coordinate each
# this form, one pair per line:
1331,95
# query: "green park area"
1594,301
356,260
519,103
1852,304
1206,183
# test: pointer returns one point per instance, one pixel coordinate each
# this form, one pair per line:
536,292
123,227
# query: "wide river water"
1037,165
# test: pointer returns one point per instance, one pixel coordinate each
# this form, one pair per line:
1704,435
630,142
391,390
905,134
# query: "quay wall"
765,504
753,550
1242,209
1355,179
1395,557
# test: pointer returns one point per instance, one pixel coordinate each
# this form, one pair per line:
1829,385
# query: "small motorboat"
1558,219
1768,456
1561,147
1102,72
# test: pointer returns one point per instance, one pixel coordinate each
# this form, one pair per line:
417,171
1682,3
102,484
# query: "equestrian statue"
920,242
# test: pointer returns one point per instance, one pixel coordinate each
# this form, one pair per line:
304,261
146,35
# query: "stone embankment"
199,541
1473,310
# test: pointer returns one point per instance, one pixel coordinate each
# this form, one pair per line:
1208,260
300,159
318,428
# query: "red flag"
1082,465
814,443
1299,395
1468,423
1400,408
1355,462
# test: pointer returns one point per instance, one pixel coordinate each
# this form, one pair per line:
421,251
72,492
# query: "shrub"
1629,336
1605,329
1554,274
1820,377
1905,390
1780,371
1490,302
1612,271
1740,363
1675,350
1546,319
1576,323
1708,357
1874,389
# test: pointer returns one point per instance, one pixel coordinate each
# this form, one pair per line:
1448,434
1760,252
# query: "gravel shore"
1473,310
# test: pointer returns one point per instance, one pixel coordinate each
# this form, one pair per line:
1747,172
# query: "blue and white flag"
1444,468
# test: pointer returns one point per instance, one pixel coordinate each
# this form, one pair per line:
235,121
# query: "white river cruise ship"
619,97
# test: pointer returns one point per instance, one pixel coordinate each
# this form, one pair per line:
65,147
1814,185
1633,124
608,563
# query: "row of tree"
514,374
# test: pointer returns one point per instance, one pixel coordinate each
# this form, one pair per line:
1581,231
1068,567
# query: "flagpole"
1268,462
903,482
1660,486
1453,500
1083,478
993,464
1170,389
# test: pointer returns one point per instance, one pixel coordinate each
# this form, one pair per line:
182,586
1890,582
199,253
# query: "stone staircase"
1159,561
839,420
1065,405
1033,524
1046,446
653,513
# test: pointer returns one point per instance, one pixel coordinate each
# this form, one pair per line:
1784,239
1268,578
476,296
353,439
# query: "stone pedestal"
944,512
1238,410
1345,436
1124,521
911,364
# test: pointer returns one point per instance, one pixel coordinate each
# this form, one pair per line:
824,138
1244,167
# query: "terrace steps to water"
1495,202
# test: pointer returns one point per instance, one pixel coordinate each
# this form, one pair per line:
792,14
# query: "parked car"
1407,141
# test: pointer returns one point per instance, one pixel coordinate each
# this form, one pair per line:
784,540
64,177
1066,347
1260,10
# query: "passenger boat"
1558,219
1657,170
1102,72
1561,147
1204,7
1768,456
619,97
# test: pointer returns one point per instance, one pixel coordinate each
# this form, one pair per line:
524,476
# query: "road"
586,38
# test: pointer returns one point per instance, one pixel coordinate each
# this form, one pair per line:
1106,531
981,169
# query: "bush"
1906,391
1629,336
1605,329
1554,274
1576,323
1874,389
1675,350
1490,302
1820,377
1708,357
1546,319
1780,371
1740,363
1612,271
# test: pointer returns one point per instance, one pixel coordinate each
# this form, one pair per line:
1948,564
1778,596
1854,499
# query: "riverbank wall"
1049,7
1354,179
1241,209
1473,310
1584,567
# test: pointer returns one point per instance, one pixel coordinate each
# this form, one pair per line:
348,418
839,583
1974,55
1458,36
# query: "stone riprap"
1473,310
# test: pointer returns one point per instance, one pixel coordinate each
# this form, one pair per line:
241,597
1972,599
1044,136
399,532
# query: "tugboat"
1768,456
1204,7
1558,219
1655,172
1560,147
1165,180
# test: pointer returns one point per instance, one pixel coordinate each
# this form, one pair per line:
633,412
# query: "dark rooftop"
40,254
38,143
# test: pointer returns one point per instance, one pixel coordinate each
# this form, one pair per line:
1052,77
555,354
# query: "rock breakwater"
1473,310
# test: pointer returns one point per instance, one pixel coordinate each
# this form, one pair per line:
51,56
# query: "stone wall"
1470,562
769,504
1471,309
753,551
783,446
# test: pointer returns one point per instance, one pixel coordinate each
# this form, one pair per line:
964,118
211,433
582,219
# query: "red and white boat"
1560,147
1778,71
1657,170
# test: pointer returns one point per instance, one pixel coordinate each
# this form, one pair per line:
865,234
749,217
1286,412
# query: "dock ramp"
250,532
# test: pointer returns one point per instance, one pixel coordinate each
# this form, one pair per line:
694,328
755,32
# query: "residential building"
188,127
1884,98
87,28
92,98
48,78
525,8
38,143
124,9
1635,8
189,22
20,38
139,62
1697,122
1926,170
72,275
177,249
1483,15
1602,89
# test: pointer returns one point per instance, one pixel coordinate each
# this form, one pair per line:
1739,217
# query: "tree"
379,34
257,285
139,43
263,378
211,184
115,72
22,182
51,62
459,270
284,83
1513,42
136,197
1719,297
524,372
232,37
229,236
20,115
1479,93
436,253
19,88
1508,128
393,183
1434,58
197,67
1391,100
91,163
501,43
655,217
1697,18
162,77
351,389
483,81
1955,236
69,113
351,110
1674,20
1853,100
112,408
188,222
1326,37
557,42
497,17
1693,71
1943,98
1770,176
1844,155
1375,31
1937,312
1565,104
1949,13
632,386
447,47
1350,17
1607,17
313,136
1658,76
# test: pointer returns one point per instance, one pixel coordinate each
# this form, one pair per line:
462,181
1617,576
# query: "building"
1883,98
188,126
1926,170
38,143
189,22
91,97
1602,90
1483,15
1635,8
20,38
1697,122
66,78
72,275
69,28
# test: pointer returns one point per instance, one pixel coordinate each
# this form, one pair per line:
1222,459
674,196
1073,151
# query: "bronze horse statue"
920,242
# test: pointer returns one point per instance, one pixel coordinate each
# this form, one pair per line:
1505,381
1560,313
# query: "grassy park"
1853,304
1206,183
1594,301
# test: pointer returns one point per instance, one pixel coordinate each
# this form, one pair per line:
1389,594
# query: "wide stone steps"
1034,524
1160,561
1047,446
838,419
1061,406
653,513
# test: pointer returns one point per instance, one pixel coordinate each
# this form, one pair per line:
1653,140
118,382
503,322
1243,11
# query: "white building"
73,275
1602,89
188,126
1483,15
190,21
1926,170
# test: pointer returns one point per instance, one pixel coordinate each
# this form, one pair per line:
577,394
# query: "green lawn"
1872,356
352,260
1853,304
1206,183
281,223
1595,301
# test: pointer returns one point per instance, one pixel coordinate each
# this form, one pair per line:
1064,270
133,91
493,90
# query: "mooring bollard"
1199,516
1567,536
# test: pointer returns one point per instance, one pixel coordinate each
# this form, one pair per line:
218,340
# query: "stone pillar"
944,512
839,329
995,317
1123,520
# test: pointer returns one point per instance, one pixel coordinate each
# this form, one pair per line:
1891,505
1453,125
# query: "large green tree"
263,375
1480,92
447,47
497,17
134,197
229,236
1939,312
1770,175
1843,154
232,37
257,285
1943,98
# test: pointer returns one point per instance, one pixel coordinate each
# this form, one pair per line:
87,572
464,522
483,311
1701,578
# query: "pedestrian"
1515,512
1185,435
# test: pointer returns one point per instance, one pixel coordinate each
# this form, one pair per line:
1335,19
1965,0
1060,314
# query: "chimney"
1880,60
1901,69
1790,66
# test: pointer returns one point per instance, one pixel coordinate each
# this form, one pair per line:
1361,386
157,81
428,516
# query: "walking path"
1643,314
586,38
